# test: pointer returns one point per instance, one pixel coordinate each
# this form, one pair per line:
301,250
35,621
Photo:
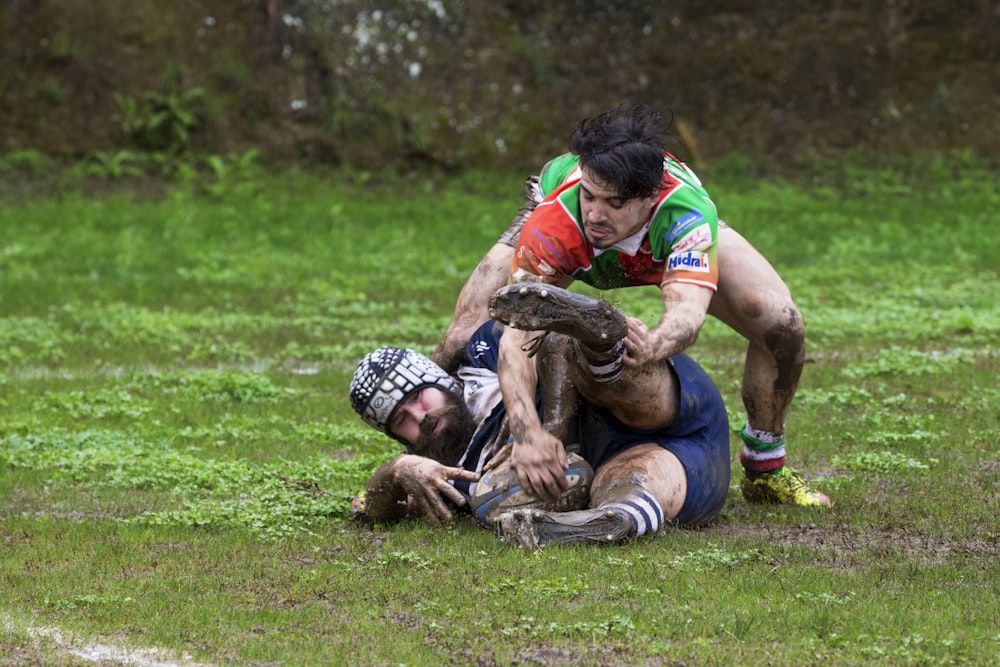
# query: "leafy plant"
238,171
118,165
29,162
161,122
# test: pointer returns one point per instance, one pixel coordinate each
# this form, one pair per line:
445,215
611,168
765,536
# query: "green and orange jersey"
677,245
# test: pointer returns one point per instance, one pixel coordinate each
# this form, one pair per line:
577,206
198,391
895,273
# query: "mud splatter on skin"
622,483
644,397
559,397
786,342
471,309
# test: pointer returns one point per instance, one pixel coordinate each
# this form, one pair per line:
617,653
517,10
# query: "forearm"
684,310
518,379
538,457
472,306
385,498
676,331
448,354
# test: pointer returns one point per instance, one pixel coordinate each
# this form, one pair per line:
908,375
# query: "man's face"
607,218
436,424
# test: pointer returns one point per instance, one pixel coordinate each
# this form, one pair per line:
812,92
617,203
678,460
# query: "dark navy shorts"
699,438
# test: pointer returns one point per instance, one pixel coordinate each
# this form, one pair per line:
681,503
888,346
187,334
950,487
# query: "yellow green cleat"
784,485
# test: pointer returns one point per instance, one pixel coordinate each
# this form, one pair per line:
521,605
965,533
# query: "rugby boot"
541,307
783,485
530,529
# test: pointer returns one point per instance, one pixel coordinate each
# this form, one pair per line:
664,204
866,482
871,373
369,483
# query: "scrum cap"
387,377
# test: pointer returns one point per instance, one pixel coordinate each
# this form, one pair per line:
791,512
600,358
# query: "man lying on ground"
656,435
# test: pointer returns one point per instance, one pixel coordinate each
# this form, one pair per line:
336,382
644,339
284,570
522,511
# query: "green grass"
178,454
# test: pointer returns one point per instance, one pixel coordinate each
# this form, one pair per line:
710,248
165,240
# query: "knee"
648,467
789,323
785,334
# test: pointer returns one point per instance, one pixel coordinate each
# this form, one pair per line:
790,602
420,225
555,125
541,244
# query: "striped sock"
605,365
643,507
762,451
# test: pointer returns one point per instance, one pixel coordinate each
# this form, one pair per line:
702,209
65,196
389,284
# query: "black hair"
624,148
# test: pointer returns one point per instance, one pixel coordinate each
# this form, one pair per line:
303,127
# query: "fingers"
637,329
557,483
433,505
553,488
544,483
462,475
546,487
427,482
499,457
531,483
638,344
436,490
432,517
453,494
541,464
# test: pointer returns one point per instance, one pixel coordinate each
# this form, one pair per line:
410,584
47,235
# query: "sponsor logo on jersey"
688,261
548,245
684,224
699,238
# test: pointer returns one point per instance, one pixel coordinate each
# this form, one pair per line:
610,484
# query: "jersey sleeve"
556,171
693,252
684,232
484,399
478,371
483,349
541,254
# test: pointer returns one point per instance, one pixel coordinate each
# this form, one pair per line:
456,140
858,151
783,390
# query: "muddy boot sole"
540,307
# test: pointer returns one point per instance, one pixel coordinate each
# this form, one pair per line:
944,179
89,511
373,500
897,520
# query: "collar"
630,244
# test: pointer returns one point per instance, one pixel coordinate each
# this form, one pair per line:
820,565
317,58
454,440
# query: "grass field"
178,454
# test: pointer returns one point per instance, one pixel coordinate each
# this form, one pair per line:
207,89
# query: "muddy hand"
640,348
426,482
499,457
540,462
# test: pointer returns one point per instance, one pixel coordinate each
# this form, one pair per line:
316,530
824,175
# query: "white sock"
643,507
611,364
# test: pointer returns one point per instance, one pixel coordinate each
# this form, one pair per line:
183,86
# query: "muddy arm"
492,273
472,307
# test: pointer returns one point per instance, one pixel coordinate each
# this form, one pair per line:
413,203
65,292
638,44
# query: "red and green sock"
763,451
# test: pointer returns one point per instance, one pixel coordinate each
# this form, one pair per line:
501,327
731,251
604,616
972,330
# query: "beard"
449,444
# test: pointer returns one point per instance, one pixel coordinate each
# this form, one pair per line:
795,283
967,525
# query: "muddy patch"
848,543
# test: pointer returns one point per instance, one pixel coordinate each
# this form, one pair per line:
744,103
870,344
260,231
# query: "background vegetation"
459,83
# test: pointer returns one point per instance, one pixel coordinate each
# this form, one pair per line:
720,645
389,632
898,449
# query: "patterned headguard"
387,377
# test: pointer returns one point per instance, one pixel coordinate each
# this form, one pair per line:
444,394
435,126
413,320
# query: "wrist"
397,465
